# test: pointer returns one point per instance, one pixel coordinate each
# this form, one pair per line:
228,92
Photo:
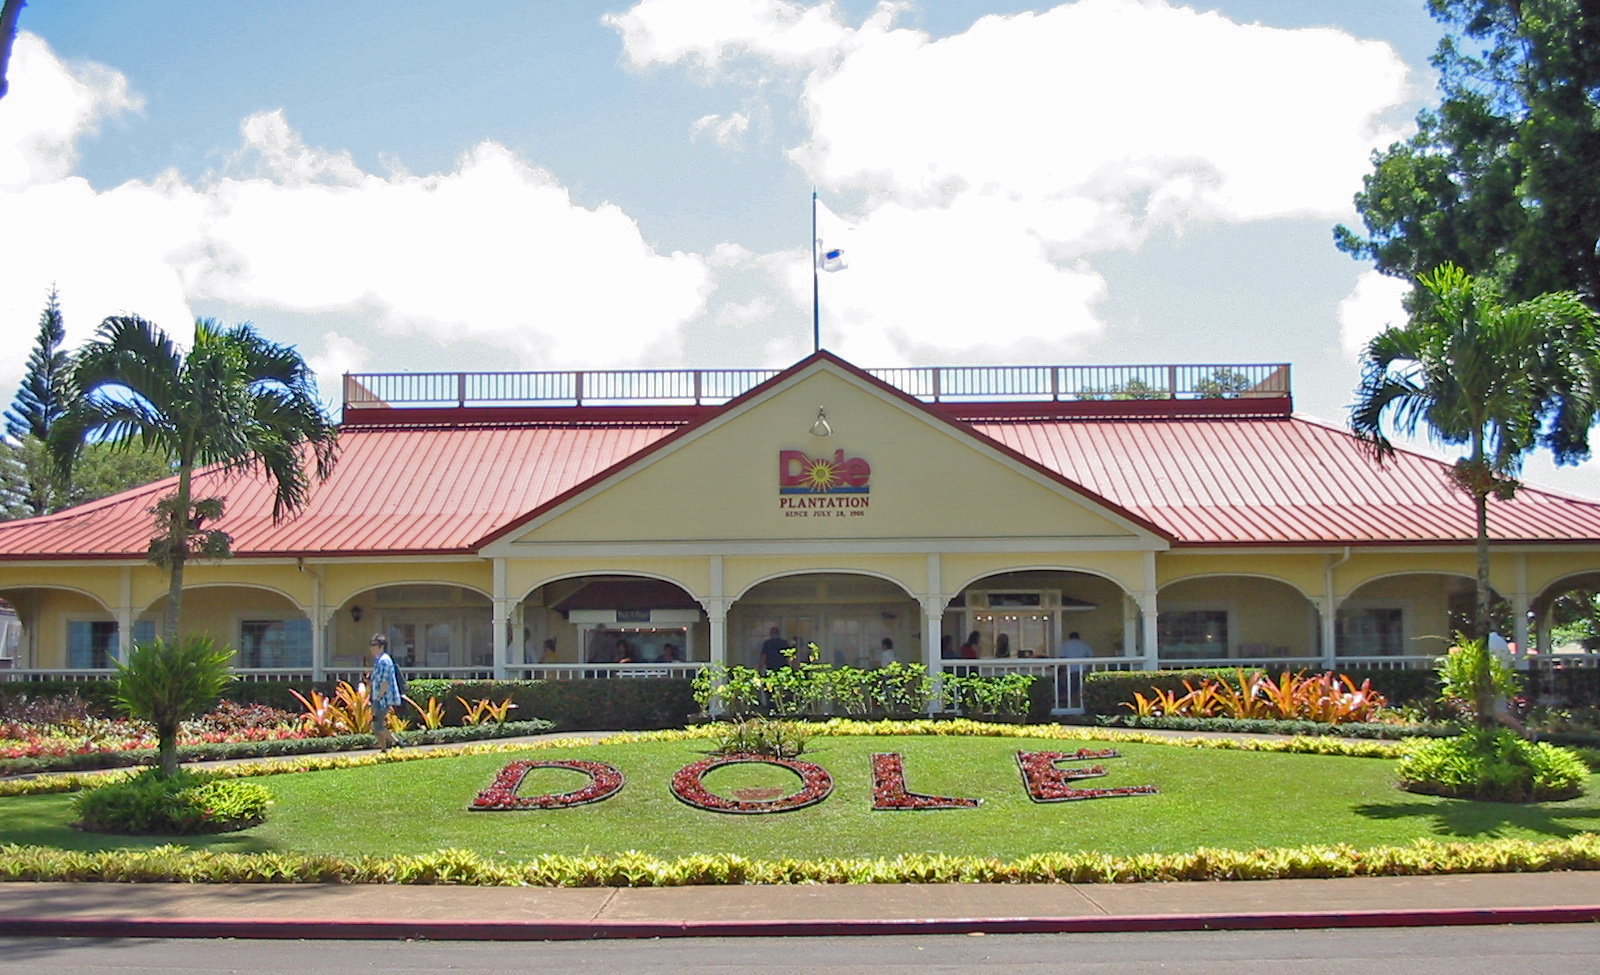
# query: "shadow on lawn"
1467,818
44,823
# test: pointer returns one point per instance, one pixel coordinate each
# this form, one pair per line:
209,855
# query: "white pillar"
124,612
1147,604
1519,608
319,627
1328,606
933,601
501,620
717,624
1130,626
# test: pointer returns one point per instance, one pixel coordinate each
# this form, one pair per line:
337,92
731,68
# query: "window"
1371,631
1192,633
91,643
275,643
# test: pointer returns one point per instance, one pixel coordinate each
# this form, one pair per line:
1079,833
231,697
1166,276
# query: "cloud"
493,250
339,354
1374,305
993,164
728,132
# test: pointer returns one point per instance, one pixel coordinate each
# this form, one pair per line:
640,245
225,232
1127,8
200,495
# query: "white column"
1130,626
319,627
501,619
716,607
519,632
933,603
124,612
1147,605
1328,606
1519,608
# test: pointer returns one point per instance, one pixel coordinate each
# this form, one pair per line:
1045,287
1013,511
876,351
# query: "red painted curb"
578,930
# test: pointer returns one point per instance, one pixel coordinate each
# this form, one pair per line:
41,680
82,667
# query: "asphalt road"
1525,950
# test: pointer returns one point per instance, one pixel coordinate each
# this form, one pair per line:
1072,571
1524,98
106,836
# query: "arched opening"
434,629
1220,620
1410,617
1030,613
60,629
267,630
621,620
1566,618
848,616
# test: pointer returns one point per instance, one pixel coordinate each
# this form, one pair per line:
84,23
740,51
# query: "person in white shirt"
886,652
1074,646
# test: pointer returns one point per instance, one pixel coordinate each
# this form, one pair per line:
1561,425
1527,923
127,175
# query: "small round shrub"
188,802
1497,765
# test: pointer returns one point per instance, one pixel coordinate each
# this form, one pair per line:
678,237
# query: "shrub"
601,704
1474,679
163,683
1329,698
1265,726
761,736
1493,764
184,802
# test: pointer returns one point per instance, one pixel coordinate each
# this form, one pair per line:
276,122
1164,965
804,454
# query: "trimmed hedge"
266,749
1264,726
1105,692
597,704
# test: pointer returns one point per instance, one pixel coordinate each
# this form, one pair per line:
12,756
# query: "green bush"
1263,726
1492,764
1106,691
187,802
600,704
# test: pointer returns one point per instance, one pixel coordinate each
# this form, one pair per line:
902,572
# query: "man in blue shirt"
384,686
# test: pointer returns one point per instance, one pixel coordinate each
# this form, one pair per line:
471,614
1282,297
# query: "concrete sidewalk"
475,913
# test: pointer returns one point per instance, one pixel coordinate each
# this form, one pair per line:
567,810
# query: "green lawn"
1216,798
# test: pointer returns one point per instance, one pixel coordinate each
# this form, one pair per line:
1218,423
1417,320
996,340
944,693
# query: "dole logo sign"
822,486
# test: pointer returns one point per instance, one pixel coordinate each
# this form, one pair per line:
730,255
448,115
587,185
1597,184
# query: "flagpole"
816,308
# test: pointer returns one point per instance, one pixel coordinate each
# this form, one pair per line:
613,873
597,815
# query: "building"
1167,514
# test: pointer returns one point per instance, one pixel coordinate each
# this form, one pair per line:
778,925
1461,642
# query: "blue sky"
423,185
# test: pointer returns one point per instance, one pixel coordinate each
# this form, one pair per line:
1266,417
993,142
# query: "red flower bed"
816,785
604,782
889,788
1046,782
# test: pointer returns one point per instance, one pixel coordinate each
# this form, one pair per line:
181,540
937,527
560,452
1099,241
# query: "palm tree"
1501,379
234,402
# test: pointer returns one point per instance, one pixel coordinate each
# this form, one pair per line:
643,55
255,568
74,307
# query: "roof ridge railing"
714,387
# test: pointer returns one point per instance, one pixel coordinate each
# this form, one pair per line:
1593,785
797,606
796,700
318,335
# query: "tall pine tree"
31,486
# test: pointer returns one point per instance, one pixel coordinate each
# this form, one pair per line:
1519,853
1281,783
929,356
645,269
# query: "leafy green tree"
163,683
1503,177
1499,378
234,402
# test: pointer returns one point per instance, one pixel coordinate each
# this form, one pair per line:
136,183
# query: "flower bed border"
1046,781
605,781
687,787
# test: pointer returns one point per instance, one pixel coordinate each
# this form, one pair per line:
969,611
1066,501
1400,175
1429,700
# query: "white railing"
713,387
1409,662
1064,675
75,674
677,671
1246,663
1559,661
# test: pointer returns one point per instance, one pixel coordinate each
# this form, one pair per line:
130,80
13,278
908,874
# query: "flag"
831,258
832,235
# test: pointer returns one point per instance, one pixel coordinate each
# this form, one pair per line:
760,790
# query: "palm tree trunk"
167,745
178,539
1480,615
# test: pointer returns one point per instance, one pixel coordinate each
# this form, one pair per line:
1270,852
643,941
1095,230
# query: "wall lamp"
821,428
355,614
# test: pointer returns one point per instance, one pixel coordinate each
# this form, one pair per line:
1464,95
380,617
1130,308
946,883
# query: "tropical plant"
234,401
163,683
431,716
187,802
1495,764
1475,680
1328,698
1500,379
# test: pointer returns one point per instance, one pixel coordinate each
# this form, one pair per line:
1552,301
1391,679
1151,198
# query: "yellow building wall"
1365,567
1547,569
739,573
45,614
1269,617
1304,572
959,570
1425,599
215,611
151,583
99,582
342,581
693,575
924,481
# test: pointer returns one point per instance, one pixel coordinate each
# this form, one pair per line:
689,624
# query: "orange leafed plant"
1329,698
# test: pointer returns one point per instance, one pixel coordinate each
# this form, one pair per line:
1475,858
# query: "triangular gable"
905,472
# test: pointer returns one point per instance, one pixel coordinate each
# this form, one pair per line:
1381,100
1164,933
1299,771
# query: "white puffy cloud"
994,163
339,354
493,250
728,130
1374,305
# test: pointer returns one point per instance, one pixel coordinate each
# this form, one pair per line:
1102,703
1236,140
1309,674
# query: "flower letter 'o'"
604,782
687,786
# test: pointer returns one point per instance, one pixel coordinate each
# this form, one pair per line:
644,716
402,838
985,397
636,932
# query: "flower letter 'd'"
604,782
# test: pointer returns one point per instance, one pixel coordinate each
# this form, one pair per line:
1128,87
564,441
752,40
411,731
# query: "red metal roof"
451,488
394,491
1265,481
